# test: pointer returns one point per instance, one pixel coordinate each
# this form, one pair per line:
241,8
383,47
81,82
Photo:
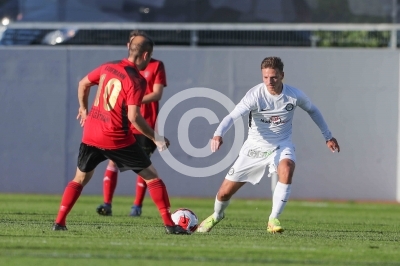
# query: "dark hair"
272,62
135,33
139,48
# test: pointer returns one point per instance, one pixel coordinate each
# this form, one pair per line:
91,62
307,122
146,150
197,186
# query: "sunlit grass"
317,233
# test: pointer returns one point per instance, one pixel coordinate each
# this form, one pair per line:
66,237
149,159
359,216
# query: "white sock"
219,208
279,199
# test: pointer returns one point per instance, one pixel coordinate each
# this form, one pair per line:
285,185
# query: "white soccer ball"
186,218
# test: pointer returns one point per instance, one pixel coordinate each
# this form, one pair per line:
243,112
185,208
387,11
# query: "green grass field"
317,233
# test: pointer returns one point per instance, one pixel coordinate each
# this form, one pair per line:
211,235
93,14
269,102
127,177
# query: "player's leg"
247,168
88,158
71,194
109,184
134,158
226,191
282,190
141,186
159,194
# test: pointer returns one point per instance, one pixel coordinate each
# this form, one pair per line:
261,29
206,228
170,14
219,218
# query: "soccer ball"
186,218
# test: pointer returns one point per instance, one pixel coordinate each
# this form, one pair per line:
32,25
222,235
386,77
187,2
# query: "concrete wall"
357,90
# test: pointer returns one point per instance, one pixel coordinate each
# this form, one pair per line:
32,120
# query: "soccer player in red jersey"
107,133
156,81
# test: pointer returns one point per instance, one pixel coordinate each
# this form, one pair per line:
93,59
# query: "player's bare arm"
216,143
155,96
140,124
83,95
333,145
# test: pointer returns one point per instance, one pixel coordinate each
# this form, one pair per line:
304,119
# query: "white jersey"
271,116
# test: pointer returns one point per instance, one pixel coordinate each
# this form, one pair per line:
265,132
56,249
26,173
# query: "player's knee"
286,166
149,173
83,177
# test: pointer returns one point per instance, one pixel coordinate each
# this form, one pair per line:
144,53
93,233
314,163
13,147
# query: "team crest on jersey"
146,74
289,107
231,171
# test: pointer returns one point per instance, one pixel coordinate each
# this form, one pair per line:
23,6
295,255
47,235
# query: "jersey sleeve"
305,103
94,75
160,76
248,103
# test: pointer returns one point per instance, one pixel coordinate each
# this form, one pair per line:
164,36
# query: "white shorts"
253,159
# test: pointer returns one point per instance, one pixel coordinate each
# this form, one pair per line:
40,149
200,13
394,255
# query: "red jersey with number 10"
119,85
154,74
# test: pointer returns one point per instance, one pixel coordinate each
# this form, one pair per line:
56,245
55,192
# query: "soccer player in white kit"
270,106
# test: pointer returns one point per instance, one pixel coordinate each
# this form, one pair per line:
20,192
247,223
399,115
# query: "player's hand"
333,145
216,142
162,143
82,114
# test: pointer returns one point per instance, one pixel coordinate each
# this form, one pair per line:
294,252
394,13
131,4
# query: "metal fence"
198,34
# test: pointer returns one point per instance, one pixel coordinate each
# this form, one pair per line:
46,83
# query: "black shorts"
147,144
128,158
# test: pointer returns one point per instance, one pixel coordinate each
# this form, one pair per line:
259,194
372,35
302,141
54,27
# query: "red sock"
158,193
141,187
70,196
109,183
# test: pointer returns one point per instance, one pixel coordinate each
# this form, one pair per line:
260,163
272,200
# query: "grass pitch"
316,233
